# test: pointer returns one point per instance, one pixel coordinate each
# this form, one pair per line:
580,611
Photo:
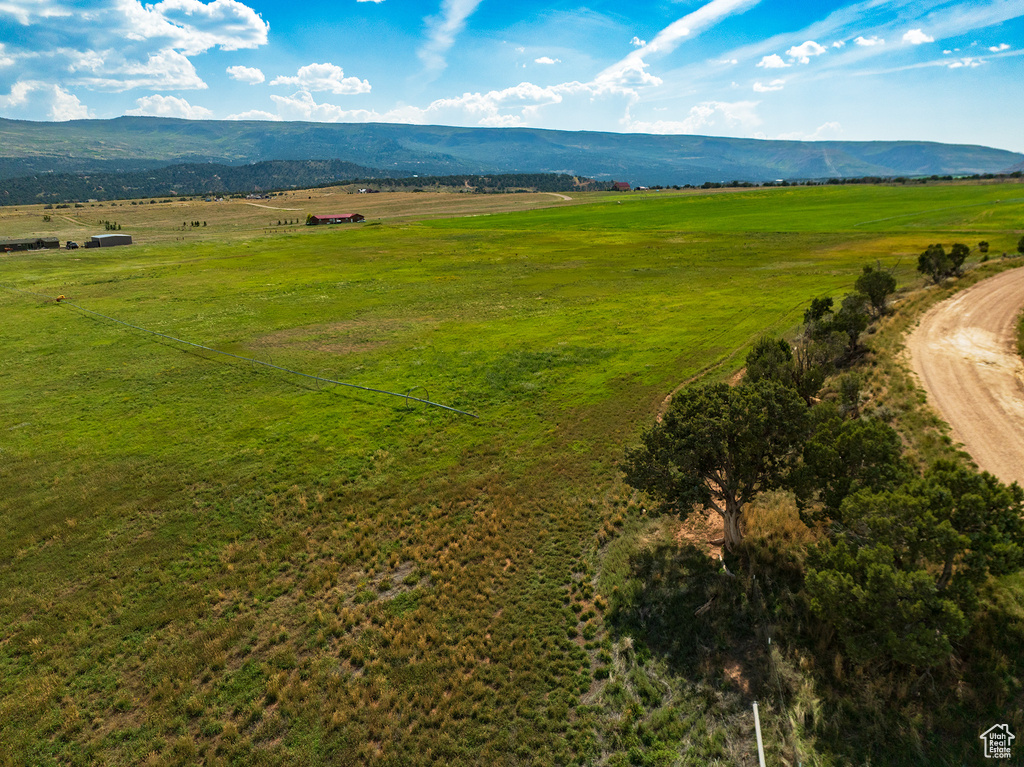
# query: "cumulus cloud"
917,36
509,107
839,44
324,77
995,49
442,30
709,117
249,75
254,114
192,26
775,61
636,42
302,106
804,51
112,71
547,60
66,106
41,100
168,106
774,85
869,41
626,76
968,62
119,45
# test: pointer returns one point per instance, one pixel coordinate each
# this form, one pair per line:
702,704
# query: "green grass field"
207,562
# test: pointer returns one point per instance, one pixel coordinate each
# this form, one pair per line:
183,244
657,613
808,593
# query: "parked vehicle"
71,245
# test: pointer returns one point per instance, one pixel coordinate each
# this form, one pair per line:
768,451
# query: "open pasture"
169,219
203,561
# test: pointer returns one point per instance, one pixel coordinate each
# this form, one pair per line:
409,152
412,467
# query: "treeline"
887,601
183,179
864,180
21,167
925,179
499,183
211,179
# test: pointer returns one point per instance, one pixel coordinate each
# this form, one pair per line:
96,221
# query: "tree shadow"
680,605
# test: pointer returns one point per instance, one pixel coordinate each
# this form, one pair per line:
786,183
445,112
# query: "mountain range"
135,144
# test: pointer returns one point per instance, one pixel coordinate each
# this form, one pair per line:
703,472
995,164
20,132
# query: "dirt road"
964,353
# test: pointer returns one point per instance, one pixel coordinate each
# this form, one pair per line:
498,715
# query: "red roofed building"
620,186
347,218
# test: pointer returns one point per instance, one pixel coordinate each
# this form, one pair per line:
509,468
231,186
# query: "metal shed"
108,240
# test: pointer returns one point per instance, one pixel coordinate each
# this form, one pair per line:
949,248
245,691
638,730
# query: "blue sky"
898,69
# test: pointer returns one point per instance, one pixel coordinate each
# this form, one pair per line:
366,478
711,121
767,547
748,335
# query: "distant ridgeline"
140,144
207,178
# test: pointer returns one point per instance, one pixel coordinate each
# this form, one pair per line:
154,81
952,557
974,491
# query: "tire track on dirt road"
964,354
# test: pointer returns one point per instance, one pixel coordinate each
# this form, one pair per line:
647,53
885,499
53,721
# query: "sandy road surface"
964,352
270,207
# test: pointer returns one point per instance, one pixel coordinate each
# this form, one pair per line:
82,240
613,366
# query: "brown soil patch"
346,337
700,529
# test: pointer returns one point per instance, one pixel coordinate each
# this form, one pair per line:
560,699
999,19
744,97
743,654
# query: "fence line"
407,396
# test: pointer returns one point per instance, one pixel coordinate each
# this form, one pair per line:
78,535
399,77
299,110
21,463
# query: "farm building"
108,240
621,186
347,218
35,243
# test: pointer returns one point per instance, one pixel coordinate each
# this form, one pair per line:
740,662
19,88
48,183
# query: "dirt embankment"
964,353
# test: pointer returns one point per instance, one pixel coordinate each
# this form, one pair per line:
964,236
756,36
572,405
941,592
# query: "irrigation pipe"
407,396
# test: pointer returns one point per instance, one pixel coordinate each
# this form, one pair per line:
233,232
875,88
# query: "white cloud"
804,51
254,114
839,44
66,106
110,70
547,60
40,100
168,106
302,106
636,42
117,45
968,62
193,26
442,31
709,117
249,75
18,95
625,76
774,85
995,48
775,61
869,41
6,61
369,1
917,36
324,77
826,131
631,70
503,121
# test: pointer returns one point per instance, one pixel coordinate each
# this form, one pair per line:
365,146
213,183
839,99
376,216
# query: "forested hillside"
439,150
